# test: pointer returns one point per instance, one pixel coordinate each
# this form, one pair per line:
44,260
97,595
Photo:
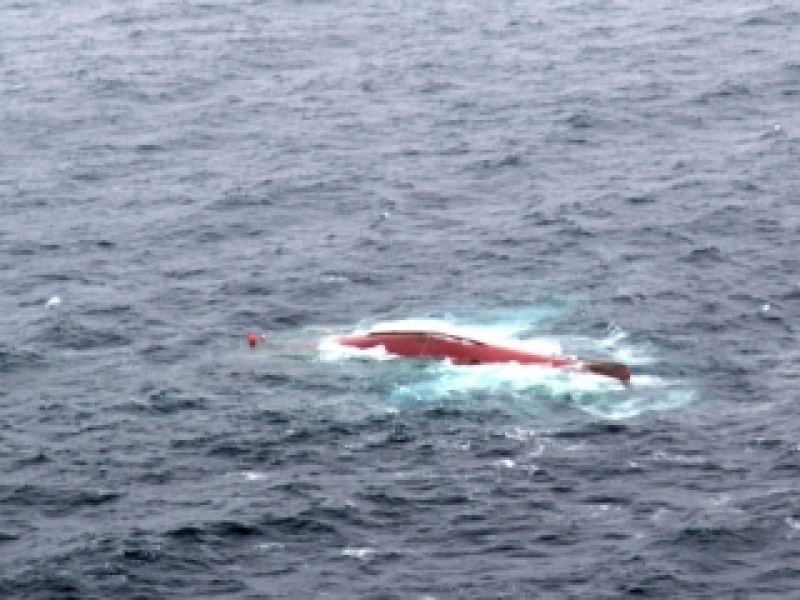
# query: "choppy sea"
615,179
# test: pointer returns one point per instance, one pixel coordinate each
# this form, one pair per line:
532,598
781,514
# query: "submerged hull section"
466,351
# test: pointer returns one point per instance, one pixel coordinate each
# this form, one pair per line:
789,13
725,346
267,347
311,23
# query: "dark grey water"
614,177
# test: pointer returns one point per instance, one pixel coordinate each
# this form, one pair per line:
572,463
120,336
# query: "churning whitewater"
524,387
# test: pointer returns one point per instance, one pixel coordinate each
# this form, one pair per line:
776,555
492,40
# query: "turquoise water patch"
534,389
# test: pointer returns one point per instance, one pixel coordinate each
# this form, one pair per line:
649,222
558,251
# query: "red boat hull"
465,351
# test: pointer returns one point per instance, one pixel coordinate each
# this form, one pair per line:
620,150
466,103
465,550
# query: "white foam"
330,350
509,378
360,553
270,546
615,338
406,325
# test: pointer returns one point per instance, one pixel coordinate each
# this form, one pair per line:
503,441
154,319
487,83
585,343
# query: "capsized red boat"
461,350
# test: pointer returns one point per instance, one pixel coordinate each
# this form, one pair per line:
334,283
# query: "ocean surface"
614,179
